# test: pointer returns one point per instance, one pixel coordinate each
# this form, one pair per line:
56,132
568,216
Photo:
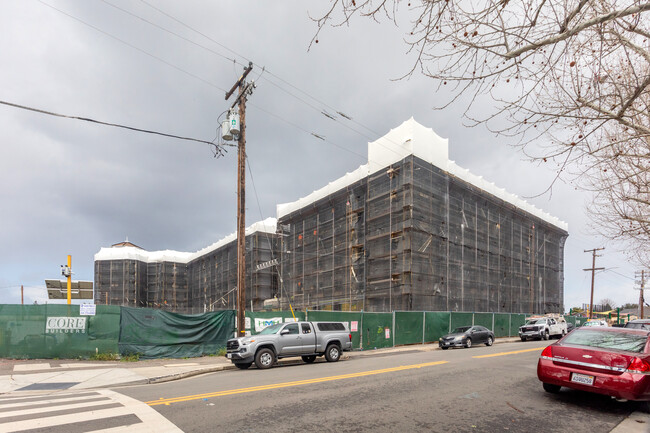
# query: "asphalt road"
456,390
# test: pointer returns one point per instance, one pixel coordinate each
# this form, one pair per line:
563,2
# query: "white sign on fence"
87,309
65,325
263,323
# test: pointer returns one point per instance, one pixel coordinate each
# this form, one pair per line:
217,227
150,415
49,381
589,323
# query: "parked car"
282,340
570,327
543,328
466,336
639,324
595,322
602,360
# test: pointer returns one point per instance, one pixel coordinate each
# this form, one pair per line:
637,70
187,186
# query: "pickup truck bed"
308,340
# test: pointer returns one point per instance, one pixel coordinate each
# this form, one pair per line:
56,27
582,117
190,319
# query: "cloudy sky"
72,187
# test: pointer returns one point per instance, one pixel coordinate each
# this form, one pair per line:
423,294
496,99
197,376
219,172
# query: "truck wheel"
243,365
309,359
332,353
264,358
523,338
546,335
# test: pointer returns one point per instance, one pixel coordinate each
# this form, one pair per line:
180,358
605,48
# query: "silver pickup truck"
282,340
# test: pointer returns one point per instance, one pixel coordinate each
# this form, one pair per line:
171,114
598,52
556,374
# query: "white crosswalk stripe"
83,411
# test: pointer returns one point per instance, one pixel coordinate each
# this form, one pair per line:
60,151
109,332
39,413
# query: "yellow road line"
509,353
168,401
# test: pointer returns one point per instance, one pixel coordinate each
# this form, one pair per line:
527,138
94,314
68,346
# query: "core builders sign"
65,325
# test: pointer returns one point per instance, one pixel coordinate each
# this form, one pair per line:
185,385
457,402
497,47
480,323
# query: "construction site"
408,231
412,231
206,280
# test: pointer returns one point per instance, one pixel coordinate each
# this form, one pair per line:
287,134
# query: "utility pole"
22,298
244,90
593,270
641,299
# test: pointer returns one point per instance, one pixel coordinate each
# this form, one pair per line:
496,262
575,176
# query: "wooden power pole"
641,297
593,270
244,90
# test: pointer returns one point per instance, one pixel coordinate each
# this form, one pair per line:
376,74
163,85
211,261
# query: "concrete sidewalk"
36,376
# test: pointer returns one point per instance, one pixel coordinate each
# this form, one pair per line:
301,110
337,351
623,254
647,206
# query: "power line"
319,110
132,46
618,273
116,125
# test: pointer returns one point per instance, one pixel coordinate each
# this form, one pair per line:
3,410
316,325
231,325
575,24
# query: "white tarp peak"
133,253
411,138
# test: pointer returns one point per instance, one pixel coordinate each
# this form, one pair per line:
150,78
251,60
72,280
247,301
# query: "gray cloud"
71,187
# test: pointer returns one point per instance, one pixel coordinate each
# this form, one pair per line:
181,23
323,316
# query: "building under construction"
411,230
206,280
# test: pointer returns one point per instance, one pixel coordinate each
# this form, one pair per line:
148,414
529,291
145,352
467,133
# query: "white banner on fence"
65,325
263,323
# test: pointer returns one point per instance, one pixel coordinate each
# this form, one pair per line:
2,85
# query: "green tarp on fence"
435,325
408,327
57,331
516,320
377,331
461,319
161,334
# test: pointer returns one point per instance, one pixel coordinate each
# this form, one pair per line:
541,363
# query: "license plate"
229,355
582,378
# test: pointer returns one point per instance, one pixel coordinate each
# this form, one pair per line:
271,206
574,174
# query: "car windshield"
461,329
531,322
540,322
631,342
271,329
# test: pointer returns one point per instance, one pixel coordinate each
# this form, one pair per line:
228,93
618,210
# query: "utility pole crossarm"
240,80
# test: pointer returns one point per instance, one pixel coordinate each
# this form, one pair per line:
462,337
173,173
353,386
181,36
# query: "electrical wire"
133,46
321,111
116,125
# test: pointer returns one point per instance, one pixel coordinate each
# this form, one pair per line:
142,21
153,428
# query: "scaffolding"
213,277
414,237
206,283
121,282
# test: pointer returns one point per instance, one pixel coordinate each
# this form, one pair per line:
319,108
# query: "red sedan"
610,361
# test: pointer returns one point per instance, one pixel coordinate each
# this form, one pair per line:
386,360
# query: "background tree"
607,304
570,79
629,306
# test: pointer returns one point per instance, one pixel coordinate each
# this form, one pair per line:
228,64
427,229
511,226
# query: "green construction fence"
60,331
381,330
57,331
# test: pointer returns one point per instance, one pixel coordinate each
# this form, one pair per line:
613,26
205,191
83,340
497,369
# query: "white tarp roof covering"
412,138
132,253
